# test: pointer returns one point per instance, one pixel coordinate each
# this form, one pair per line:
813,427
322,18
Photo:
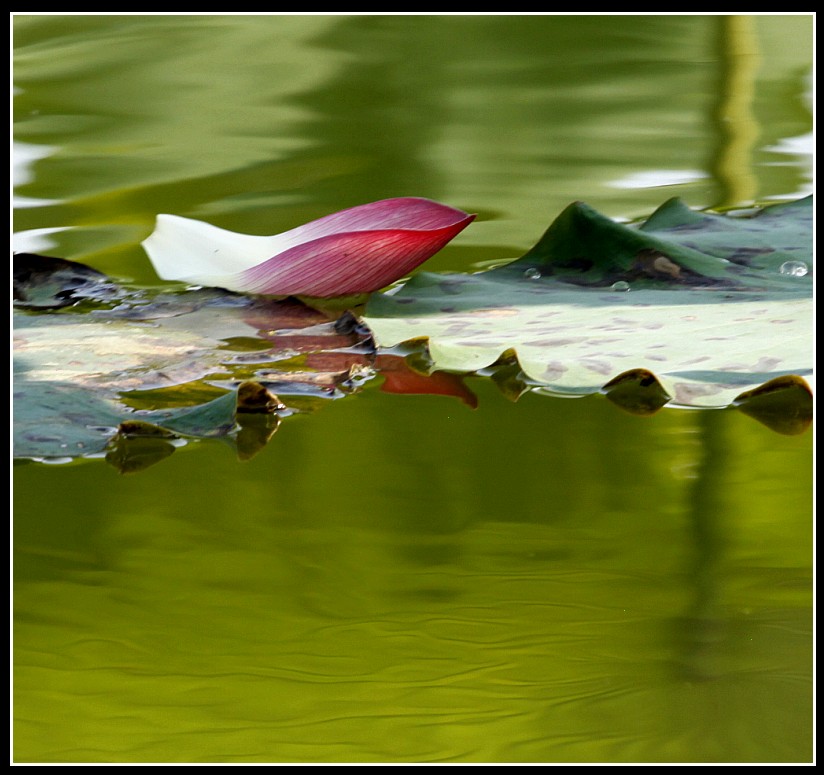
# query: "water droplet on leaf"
532,274
620,286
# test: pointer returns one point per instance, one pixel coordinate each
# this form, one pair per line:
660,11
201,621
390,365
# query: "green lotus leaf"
710,305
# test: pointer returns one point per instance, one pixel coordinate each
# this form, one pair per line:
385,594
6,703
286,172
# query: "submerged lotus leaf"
126,380
110,355
710,305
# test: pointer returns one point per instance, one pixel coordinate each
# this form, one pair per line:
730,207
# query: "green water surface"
400,578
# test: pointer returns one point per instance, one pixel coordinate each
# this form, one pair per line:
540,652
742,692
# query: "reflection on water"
401,577
510,117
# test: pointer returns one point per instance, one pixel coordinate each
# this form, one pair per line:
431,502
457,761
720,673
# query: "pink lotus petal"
354,251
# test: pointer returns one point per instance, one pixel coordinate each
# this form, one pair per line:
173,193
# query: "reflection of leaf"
710,305
637,391
510,380
255,431
784,404
132,454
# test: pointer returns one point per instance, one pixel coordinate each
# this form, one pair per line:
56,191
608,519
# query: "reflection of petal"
24,156
354,251
658,178
399,378
36,240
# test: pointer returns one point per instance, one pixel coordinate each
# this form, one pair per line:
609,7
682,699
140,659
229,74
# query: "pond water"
402,578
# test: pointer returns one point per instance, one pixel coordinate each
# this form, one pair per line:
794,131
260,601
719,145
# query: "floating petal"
355,251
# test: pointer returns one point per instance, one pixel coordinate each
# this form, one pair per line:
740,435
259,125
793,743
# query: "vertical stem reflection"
702,627
737,125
